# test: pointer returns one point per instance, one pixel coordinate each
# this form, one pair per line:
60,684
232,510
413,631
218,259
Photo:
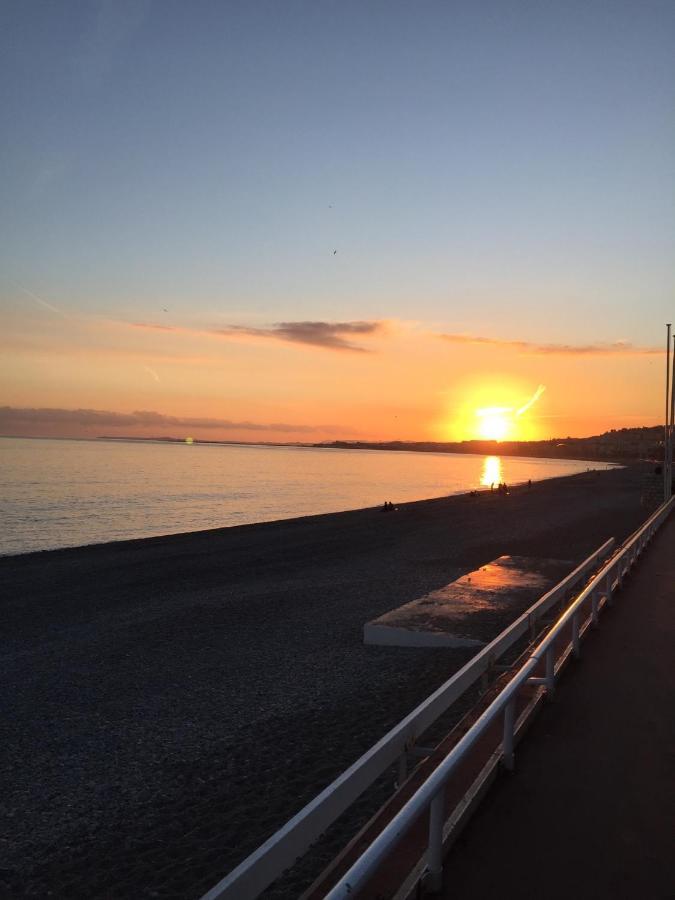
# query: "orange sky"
310,381
343,221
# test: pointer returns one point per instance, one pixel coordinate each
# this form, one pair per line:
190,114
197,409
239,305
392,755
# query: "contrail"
39,299
502,410
533,399
152,372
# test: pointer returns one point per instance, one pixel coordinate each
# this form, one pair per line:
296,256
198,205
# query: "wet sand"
170,702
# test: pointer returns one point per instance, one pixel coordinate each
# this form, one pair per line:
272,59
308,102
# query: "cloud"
617,348
29,416
43,303
152,373
510,410
329,335
533,399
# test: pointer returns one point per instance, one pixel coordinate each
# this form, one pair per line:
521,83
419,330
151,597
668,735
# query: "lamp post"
671,427
666,430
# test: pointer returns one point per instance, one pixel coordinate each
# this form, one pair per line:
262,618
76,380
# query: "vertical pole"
507,741
594,608
576,643
669,486
435,848
608,589
550,672
666,431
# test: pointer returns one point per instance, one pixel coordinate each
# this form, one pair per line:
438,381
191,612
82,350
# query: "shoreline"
406,503
176,699
509,449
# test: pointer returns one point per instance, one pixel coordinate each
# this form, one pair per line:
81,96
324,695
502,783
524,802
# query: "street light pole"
666,430
669,485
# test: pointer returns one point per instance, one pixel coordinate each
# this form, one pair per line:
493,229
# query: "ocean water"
62,493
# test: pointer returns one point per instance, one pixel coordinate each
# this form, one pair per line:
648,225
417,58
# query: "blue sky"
493,168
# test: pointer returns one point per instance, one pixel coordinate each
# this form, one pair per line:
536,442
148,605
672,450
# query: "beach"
172,701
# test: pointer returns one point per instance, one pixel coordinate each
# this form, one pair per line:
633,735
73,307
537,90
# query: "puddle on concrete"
455,615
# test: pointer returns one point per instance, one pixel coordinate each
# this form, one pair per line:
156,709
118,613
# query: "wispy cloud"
327,335
152,373
617,348
39,300
15,417
330,335
511,410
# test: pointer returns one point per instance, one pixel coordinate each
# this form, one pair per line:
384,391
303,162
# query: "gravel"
169,702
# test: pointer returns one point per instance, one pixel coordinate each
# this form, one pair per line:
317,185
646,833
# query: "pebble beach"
170,702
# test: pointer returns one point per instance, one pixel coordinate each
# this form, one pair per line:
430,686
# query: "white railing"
286,845
431,794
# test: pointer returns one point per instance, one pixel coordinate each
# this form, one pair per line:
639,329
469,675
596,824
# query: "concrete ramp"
472,610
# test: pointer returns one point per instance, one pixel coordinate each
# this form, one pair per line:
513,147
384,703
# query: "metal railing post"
550,671
434,880
594,608
507,740
532,622
608,589
431,794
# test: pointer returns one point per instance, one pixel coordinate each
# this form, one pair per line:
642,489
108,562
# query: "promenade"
589,813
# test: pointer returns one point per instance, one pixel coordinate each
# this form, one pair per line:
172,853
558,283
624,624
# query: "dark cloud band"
17,417
331,335
328,335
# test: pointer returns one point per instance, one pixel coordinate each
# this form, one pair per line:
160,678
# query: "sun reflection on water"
492,471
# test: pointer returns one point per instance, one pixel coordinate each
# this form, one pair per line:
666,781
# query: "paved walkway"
590,812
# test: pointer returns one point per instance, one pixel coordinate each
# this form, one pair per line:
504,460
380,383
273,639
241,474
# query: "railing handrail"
289,842
363,868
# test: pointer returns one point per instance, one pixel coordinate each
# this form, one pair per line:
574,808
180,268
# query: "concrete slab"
470,611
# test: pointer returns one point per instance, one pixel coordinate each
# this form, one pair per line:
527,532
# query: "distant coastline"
620,446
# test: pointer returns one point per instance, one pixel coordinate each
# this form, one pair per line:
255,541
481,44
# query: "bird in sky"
334,252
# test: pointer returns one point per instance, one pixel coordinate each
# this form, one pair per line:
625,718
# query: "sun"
495,423
492,411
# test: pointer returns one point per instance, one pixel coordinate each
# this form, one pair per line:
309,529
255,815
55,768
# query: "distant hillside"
623,445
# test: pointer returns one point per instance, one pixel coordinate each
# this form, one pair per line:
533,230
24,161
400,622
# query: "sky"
316,220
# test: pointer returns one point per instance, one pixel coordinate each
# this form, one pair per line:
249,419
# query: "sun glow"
499,423
499,409
492,471
495,423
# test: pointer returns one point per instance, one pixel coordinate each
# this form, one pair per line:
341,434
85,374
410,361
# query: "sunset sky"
316,220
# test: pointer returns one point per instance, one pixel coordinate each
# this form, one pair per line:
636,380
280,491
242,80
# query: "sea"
67,493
